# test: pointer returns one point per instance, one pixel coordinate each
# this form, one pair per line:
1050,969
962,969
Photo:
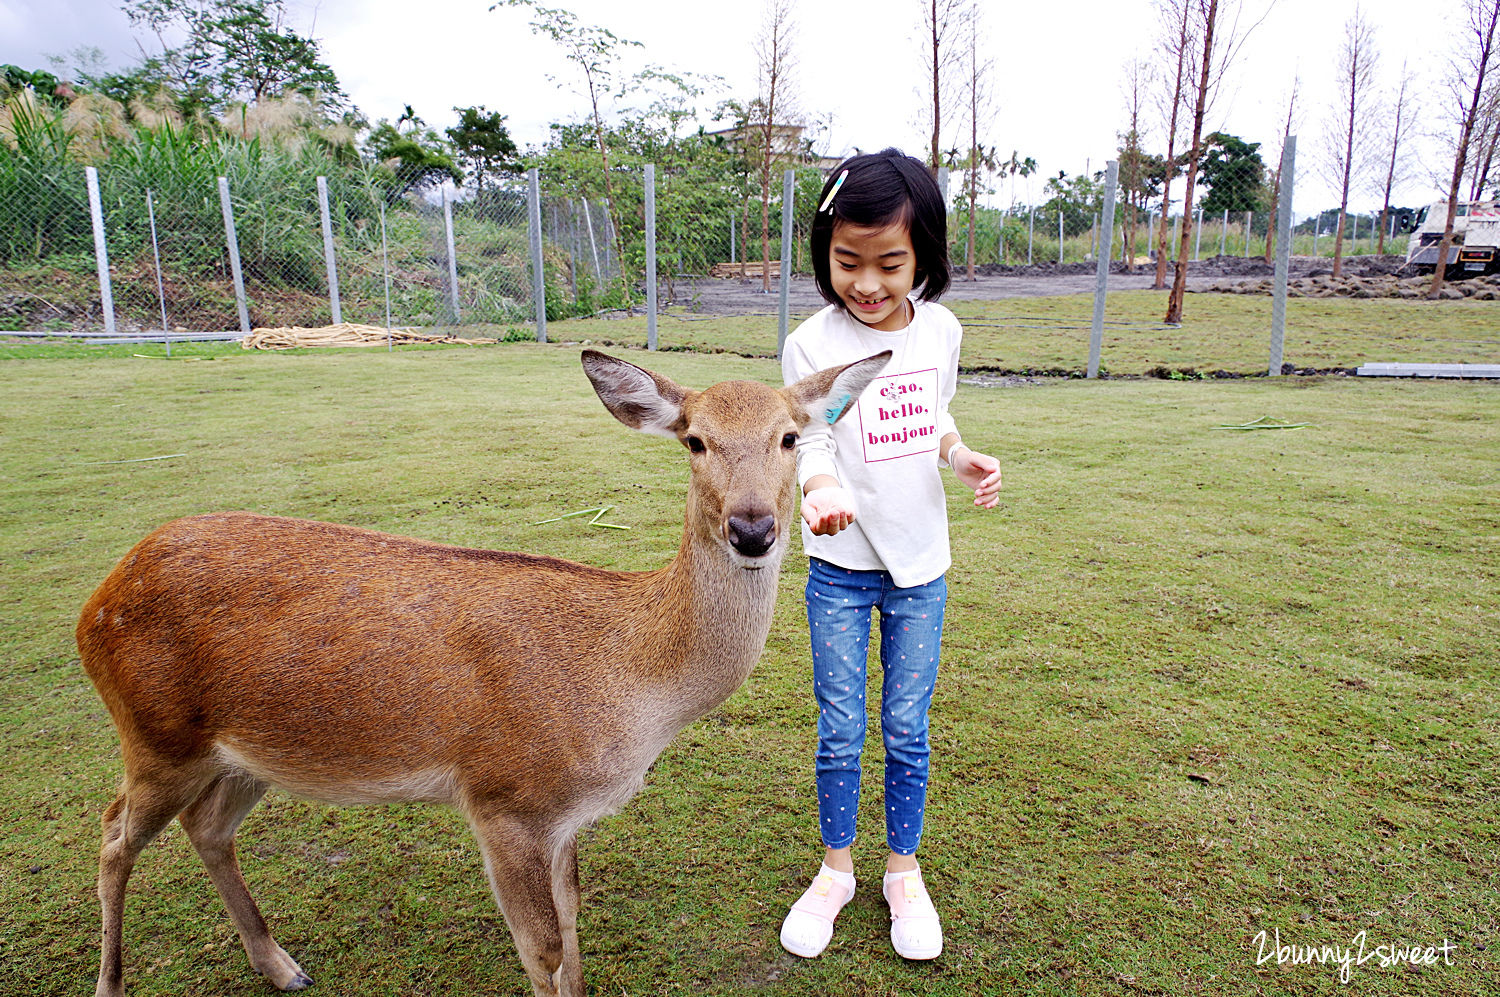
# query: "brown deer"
237,652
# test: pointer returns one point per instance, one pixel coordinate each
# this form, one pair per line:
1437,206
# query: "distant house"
787,144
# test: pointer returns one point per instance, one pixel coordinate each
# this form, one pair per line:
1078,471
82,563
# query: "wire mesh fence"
195,234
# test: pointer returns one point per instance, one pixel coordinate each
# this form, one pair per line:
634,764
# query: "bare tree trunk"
1390,172
1483,16
1200,106
935,160
974,157
1490,135
1166,187
609,194
774,63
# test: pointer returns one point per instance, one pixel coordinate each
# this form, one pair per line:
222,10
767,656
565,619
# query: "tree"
235,50
1350,122
1014,167
1234,173
940,20
1471,70
482,144
1132,157
1075,198
977,97
415,158
775,63
1221,44
595,52
1489,139
1176,18
1402,109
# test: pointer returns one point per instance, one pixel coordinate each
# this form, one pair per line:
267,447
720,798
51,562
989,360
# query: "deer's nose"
752,535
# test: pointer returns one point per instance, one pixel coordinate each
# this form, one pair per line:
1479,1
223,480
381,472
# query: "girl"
875,521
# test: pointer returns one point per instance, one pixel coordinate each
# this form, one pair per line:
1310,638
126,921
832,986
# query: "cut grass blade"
1266,422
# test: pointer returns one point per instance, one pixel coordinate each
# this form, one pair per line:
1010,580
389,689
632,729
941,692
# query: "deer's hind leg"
149,801
565,900
211,823
518,859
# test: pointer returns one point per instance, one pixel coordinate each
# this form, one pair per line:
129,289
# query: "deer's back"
271,638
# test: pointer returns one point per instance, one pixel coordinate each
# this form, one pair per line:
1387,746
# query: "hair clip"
828,201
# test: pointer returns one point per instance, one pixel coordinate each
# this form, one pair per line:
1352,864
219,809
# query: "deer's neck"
715,617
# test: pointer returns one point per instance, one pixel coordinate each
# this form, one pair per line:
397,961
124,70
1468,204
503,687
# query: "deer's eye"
789,441
695,445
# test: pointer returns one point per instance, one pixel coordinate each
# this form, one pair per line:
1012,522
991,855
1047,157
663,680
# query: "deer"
237,652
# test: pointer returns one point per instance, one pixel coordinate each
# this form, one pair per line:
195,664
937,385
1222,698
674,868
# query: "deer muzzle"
752,534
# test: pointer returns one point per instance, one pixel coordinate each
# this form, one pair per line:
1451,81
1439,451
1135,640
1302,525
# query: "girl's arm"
827,506
975,470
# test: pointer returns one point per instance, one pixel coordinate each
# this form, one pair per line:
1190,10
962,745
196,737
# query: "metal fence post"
1283,253
101,251
1059,237
650,256
588,223
733,256
534,235
232,241
1030,232
1198,235
1101,278
452,258
161,292
385,269
1248,216
330,262
784,309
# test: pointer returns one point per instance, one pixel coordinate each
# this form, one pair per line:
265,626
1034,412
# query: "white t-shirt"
885,449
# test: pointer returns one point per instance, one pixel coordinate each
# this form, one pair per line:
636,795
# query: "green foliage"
1078,198
234,50
482,144
1233,172
413,160
43,202
14,79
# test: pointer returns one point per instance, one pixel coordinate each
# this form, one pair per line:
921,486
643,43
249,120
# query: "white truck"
1476,238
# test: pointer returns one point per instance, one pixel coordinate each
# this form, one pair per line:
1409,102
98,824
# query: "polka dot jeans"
840,604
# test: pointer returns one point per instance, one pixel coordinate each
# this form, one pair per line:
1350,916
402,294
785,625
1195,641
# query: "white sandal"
916,932
809,925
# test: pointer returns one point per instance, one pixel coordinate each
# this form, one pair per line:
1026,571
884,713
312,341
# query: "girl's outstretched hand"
980,472
828,510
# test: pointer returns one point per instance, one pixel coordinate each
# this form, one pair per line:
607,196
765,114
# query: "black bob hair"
885,188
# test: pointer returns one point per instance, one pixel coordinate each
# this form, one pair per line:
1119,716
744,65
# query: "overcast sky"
1057,78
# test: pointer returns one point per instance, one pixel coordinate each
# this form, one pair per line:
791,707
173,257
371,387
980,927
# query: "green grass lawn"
1198,685
1220,332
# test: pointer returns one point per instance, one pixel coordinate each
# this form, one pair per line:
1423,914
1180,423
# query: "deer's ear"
828,394
638,398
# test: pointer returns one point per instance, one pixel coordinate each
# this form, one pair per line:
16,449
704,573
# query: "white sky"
1057,81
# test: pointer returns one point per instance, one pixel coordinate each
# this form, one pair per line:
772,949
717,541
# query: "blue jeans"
839,607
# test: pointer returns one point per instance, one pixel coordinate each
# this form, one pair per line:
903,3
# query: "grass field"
1220,332
1198,685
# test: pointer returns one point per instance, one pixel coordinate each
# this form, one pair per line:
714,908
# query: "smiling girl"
875,522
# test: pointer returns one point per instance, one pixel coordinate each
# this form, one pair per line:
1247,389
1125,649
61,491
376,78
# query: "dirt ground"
711,296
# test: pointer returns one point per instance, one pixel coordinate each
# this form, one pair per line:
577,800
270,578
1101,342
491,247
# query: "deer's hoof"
299,982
